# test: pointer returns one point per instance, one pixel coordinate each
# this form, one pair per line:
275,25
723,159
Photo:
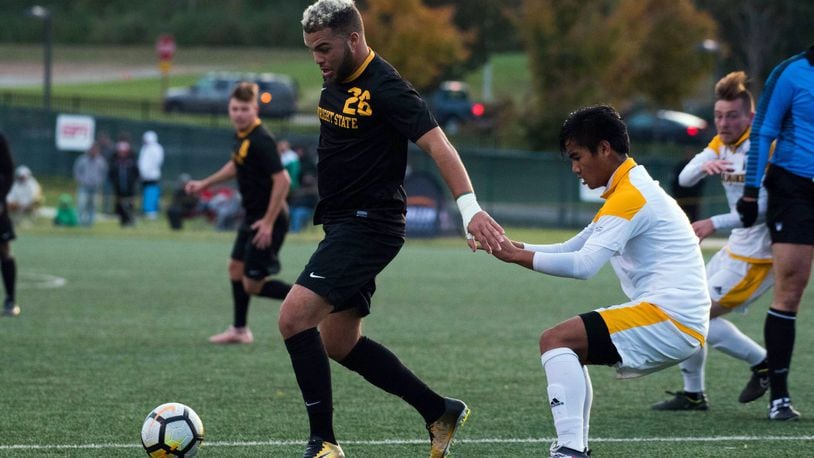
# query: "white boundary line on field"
530,440
37,280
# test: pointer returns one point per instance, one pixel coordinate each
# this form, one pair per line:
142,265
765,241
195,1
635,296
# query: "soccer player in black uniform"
367,114
263,185
8,266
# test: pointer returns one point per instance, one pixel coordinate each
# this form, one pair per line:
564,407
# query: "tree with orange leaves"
420,41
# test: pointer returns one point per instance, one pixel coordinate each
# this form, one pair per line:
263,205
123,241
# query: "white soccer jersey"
653,250
657,257
752,242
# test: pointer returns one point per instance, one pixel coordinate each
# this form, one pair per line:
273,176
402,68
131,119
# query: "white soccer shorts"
736,281
647,339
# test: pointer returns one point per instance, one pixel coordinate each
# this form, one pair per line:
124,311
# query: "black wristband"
751,191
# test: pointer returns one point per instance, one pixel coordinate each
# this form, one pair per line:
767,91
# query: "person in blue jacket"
785,116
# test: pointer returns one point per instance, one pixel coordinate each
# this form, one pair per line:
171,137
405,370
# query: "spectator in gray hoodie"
90,173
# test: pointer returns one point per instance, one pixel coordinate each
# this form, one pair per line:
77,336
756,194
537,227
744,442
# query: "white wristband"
468,206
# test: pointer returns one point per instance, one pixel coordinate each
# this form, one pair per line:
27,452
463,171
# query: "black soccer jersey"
256,159
365,122
6,170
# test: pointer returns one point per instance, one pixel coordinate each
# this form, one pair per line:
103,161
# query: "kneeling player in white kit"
650,244
742,270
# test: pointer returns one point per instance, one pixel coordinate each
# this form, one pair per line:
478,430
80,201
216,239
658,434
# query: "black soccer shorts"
6,227
601,349
344,266
790,212
260,263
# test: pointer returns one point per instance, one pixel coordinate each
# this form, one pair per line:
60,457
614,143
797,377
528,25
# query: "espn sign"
75,132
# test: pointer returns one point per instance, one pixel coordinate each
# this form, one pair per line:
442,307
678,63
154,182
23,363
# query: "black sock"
275,289
313,371
778,331
762,366
241,303
383,369
9,268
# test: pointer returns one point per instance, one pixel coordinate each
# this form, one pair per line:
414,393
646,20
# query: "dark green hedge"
193,22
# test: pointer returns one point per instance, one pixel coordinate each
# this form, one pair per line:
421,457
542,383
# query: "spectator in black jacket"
123,177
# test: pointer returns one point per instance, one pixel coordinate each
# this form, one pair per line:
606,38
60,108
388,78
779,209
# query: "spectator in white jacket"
150,160
25,196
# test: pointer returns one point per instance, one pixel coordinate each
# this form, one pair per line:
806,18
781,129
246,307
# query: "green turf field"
126,331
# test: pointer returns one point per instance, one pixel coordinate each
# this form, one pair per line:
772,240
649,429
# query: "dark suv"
452,107
277,97
660,126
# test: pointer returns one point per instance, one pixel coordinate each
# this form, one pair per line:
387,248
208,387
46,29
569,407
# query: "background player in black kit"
8,266
263,185
367,114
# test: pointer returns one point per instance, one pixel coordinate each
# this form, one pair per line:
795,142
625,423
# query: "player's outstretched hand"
508,250
717,166
513,252
484,231
703,228
194,186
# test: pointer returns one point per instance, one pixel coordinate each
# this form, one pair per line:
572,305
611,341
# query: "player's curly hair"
339,15
733,87
590,125
245,92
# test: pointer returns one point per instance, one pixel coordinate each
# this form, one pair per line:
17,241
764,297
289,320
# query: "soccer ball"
172,429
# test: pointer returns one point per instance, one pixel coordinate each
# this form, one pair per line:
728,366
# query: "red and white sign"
165,46
75,132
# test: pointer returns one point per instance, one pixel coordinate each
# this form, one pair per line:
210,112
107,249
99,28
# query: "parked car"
667,126
452,106
210,94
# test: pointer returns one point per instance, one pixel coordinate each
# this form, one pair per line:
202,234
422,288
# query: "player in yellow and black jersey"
366,119
367,115
263,184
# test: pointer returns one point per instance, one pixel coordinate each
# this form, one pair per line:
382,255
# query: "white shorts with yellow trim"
647,339
736,281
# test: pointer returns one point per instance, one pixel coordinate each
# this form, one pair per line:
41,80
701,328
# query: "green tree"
565,60
657,50
193,22
421,42
756,35
490,22
609,51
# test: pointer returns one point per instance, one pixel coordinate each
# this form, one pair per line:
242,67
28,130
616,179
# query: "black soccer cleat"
683,400
443,430
318,448
10,308
561,451
756,386
782,410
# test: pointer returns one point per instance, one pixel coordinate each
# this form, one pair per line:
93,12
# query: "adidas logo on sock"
556,403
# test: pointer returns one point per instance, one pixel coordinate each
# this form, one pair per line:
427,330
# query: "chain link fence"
516,187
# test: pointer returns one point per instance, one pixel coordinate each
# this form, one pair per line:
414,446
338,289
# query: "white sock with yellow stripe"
566,395
726,337
692,369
